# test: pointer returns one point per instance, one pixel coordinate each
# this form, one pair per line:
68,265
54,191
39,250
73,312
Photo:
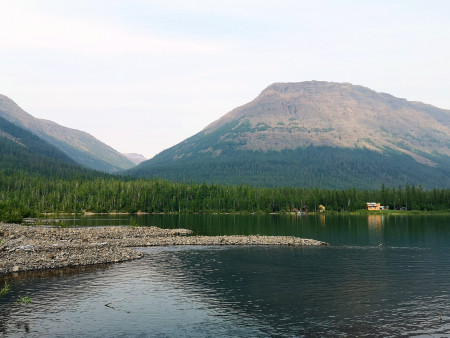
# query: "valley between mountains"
306,134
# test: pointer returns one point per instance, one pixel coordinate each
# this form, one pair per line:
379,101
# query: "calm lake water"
354,287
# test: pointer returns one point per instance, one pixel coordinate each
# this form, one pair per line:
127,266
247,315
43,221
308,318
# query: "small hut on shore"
373,206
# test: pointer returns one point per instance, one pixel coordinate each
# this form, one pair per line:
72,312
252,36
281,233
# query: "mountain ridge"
81,146
21,150
289,118
322,114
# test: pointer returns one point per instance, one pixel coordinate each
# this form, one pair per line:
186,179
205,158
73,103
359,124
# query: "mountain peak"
135,158
292,115
316,133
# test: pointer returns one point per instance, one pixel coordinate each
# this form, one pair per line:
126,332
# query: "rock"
25,248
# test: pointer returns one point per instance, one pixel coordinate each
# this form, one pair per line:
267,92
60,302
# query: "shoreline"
391,212
28,248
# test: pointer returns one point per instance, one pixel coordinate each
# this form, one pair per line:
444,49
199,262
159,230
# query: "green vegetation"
81,147
322,130
34,194
10,214
133,222
5,290
36,178
261,127
323,167
24,300
20,150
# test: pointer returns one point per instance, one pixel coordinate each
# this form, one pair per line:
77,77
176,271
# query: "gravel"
26,248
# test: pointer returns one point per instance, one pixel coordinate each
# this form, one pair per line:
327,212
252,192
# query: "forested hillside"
286,149
25,195
24,155
315,134
80,146
322,167
21,150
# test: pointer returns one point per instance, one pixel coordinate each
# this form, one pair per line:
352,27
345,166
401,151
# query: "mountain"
135,158
21,150
316,134
82,147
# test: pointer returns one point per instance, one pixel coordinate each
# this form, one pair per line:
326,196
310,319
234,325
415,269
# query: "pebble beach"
27,248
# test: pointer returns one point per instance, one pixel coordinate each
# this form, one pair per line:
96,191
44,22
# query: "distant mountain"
135,158
82,147
21,150
331,135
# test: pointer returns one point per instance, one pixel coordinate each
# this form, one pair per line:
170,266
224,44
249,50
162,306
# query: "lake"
381,275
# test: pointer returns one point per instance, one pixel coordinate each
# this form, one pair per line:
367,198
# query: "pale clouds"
26,29
143,75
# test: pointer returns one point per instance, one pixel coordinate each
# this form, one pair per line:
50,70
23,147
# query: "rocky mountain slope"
135,158
316,134
21,150
82,147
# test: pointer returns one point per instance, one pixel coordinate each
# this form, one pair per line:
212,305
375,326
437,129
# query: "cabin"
303,210
373,206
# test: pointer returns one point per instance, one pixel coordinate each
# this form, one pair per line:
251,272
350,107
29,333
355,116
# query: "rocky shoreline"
26,248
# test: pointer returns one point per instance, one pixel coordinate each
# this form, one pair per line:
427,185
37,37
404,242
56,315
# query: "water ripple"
241,291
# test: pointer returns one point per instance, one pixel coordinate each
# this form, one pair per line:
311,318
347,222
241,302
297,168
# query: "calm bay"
381,275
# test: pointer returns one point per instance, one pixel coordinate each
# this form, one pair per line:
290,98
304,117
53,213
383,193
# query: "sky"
143,75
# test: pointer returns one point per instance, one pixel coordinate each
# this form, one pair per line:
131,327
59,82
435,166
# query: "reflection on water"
353,287
323,220
335,229
375,222
241,291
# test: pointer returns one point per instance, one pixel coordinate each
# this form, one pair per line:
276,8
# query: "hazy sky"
142,75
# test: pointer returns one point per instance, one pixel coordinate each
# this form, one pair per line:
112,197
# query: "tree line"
24,195
310,167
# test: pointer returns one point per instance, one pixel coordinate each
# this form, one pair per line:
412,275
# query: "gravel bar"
26,248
